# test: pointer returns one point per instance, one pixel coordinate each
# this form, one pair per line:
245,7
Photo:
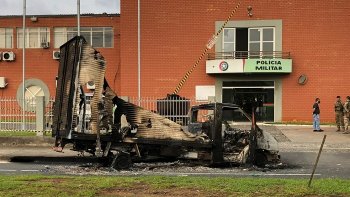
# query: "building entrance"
251,94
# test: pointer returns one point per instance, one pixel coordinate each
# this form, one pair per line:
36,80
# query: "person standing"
347,114
316,115
339,114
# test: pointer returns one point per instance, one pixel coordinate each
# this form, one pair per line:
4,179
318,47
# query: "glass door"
257,96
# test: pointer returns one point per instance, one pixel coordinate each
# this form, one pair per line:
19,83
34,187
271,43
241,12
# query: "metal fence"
173,107
11,112
249,55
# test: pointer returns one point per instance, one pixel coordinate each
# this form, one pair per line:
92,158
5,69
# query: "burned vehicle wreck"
120,132
240,140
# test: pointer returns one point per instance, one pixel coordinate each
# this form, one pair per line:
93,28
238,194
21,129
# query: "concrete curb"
294,125
27,141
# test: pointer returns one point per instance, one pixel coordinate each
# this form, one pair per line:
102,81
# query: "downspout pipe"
138,52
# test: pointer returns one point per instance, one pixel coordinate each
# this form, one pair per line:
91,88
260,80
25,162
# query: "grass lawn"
39,185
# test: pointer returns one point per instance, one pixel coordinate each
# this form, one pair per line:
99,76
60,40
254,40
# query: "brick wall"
39,62
174,33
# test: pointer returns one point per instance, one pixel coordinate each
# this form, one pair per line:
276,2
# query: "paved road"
298,144
295,164
298,164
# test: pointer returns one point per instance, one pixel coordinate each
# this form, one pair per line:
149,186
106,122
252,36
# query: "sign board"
225,66
268,66
204,92
249,66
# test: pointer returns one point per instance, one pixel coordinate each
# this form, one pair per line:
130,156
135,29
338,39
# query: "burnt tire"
261,159
122,162
106,160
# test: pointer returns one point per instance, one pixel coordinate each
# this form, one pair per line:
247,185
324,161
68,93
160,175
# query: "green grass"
39,185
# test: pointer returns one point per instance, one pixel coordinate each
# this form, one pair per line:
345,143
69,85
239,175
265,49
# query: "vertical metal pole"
138,52
78,16
318,157
23,64
40,115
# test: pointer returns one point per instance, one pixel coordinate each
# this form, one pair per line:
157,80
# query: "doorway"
249,95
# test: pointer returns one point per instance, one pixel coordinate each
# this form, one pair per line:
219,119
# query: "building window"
249,42
36,37
95,36
261,42
6,38
229,39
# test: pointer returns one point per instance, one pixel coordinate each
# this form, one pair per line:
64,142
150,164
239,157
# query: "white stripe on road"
5,170
29,170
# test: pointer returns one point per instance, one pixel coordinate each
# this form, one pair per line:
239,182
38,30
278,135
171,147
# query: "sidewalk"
34,151
303,138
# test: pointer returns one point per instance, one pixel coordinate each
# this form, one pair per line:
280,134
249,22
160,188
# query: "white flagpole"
24,64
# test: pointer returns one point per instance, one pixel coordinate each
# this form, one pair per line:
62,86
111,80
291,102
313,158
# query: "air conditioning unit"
56,55
45,45
90,85
8,56
3,83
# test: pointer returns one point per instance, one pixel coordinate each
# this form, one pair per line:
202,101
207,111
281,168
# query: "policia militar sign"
249,66
267,66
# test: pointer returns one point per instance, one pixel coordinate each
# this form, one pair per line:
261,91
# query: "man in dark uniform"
339,114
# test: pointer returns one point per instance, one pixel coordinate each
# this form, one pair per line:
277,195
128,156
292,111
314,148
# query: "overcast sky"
50,7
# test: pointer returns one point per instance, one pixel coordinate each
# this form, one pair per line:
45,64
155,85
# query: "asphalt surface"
299,147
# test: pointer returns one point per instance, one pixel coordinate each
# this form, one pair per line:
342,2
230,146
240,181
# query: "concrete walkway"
32,151
303,137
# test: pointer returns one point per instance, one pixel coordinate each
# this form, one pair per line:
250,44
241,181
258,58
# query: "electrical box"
3,83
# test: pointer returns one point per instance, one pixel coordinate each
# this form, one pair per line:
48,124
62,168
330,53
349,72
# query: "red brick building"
44,36
284,53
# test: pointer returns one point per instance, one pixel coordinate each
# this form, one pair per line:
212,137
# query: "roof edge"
63,15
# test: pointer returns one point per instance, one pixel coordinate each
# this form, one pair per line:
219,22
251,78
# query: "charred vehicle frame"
121,132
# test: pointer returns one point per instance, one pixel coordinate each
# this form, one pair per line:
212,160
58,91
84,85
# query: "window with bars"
35,37
229,39
6,38
261,42
255,42
95,36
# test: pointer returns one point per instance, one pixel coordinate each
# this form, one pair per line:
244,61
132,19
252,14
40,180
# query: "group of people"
342,115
